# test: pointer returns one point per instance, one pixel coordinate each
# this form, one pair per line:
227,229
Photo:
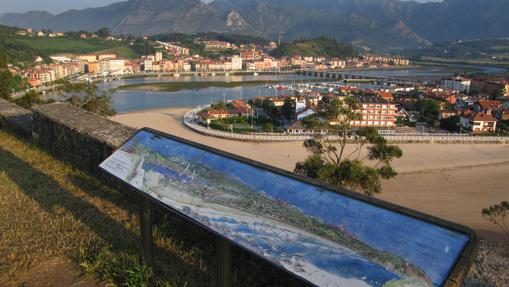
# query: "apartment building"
375,112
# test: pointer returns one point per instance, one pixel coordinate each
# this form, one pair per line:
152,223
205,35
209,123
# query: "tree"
270,109
329,162
450,124
3,61
311,122
5,84
29,99
288,108
103,32
86,96
497,93
428,108
498,215
219,106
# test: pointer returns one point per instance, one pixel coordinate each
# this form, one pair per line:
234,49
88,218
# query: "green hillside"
487,49
322,46
23,49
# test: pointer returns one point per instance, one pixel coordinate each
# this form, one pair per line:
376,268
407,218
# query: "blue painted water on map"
432,248
340,262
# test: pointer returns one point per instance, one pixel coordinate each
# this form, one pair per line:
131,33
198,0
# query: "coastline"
446,187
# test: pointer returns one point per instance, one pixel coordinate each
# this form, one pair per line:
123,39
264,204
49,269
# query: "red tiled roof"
486,104
483,117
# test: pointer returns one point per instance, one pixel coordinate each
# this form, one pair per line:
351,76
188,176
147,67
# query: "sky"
58,6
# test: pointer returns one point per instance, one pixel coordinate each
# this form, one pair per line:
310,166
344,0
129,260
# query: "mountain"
379,24
459,19
362,22
137,17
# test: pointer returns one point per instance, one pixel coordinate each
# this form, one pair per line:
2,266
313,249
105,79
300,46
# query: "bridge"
351,75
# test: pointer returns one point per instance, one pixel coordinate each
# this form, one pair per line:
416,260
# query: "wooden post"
146,246
224,270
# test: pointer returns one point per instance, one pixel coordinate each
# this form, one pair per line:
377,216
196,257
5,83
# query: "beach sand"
450,181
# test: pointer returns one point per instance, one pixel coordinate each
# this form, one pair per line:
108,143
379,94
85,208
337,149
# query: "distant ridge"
381,24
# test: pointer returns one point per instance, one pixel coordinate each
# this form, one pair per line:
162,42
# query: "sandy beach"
451,181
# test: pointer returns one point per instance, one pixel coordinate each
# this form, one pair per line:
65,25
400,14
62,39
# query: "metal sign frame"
455,276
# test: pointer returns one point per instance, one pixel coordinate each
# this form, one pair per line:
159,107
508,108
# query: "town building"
148,65
158,56
375,112
173,49
112,67
459,84
478,122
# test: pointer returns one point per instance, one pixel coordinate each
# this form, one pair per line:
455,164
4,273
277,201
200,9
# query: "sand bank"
451,181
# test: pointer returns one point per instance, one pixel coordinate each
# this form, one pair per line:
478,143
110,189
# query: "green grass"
318,47
177,86
19,49
66,45
51,210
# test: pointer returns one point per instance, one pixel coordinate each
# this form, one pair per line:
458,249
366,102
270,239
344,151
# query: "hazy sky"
57,6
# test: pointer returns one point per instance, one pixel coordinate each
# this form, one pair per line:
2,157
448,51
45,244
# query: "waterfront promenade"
191,120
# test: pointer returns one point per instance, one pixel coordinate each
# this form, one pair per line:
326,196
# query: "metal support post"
146,246
224,276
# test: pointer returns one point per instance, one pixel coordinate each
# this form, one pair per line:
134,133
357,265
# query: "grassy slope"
493,51
48,46
316,47
23,49
50,210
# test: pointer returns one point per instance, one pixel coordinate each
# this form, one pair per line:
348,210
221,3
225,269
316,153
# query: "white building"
236,63
479,122
459,84
148,65
159,56
112,67
60,58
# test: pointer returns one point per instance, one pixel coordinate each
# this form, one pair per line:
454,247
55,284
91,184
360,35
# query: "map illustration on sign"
323,237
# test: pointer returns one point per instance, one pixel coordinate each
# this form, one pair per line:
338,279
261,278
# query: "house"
478,122
296,128
309,111
34,82
386,96
211,115
445,114
240,108
487,106
300,104
278,102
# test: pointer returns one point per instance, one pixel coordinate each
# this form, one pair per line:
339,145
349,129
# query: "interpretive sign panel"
325,237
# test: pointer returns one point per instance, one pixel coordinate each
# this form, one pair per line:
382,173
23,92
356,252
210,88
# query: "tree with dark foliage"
331,163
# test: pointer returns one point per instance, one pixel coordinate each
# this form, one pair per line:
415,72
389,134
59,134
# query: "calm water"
128,101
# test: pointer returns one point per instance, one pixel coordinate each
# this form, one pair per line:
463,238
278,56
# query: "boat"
255,74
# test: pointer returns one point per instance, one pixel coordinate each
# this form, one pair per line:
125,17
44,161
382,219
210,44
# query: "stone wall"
78,137
15,118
